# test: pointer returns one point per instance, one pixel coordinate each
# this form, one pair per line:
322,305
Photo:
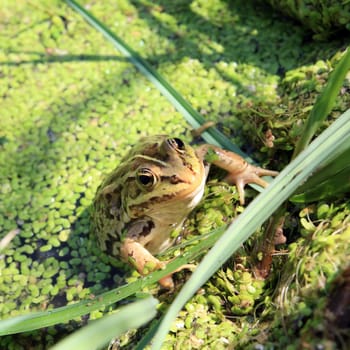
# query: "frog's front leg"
137,255
239,171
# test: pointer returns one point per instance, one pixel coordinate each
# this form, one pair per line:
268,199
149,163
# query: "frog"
149,195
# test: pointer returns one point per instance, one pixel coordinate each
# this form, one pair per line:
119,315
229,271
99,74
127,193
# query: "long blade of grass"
98,333
333,187
212,135
327,145
324,102
331,179
64,314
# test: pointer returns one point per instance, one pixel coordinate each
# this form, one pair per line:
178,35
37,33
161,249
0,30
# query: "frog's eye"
146,178
176,144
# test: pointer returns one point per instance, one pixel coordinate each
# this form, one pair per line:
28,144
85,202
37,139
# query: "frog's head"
166,181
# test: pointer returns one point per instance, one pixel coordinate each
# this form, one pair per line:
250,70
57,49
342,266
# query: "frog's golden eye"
146,178
177,144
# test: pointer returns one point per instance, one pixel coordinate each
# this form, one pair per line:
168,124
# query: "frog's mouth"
197,194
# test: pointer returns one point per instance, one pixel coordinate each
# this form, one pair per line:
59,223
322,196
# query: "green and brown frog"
153,190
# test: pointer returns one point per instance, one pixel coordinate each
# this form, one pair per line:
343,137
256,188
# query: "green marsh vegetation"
72,106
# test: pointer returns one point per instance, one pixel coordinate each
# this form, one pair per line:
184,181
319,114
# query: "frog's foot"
138,256
167,281
200,130
239,172
145,263
250,174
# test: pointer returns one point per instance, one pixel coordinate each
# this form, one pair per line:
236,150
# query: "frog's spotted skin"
152,192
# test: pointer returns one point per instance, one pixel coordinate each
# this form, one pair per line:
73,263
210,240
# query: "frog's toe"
240,188
250,175
265,172
167,282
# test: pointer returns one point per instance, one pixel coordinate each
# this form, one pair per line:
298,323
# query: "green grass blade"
327,145
333,187
212,135
148,336
324,102
99,333
330,180
64,314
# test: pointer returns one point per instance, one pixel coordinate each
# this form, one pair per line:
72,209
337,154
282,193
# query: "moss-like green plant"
324,17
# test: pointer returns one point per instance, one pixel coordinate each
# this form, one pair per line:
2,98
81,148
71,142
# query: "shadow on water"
51,57
242,31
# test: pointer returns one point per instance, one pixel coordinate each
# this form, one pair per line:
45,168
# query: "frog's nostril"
176,144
